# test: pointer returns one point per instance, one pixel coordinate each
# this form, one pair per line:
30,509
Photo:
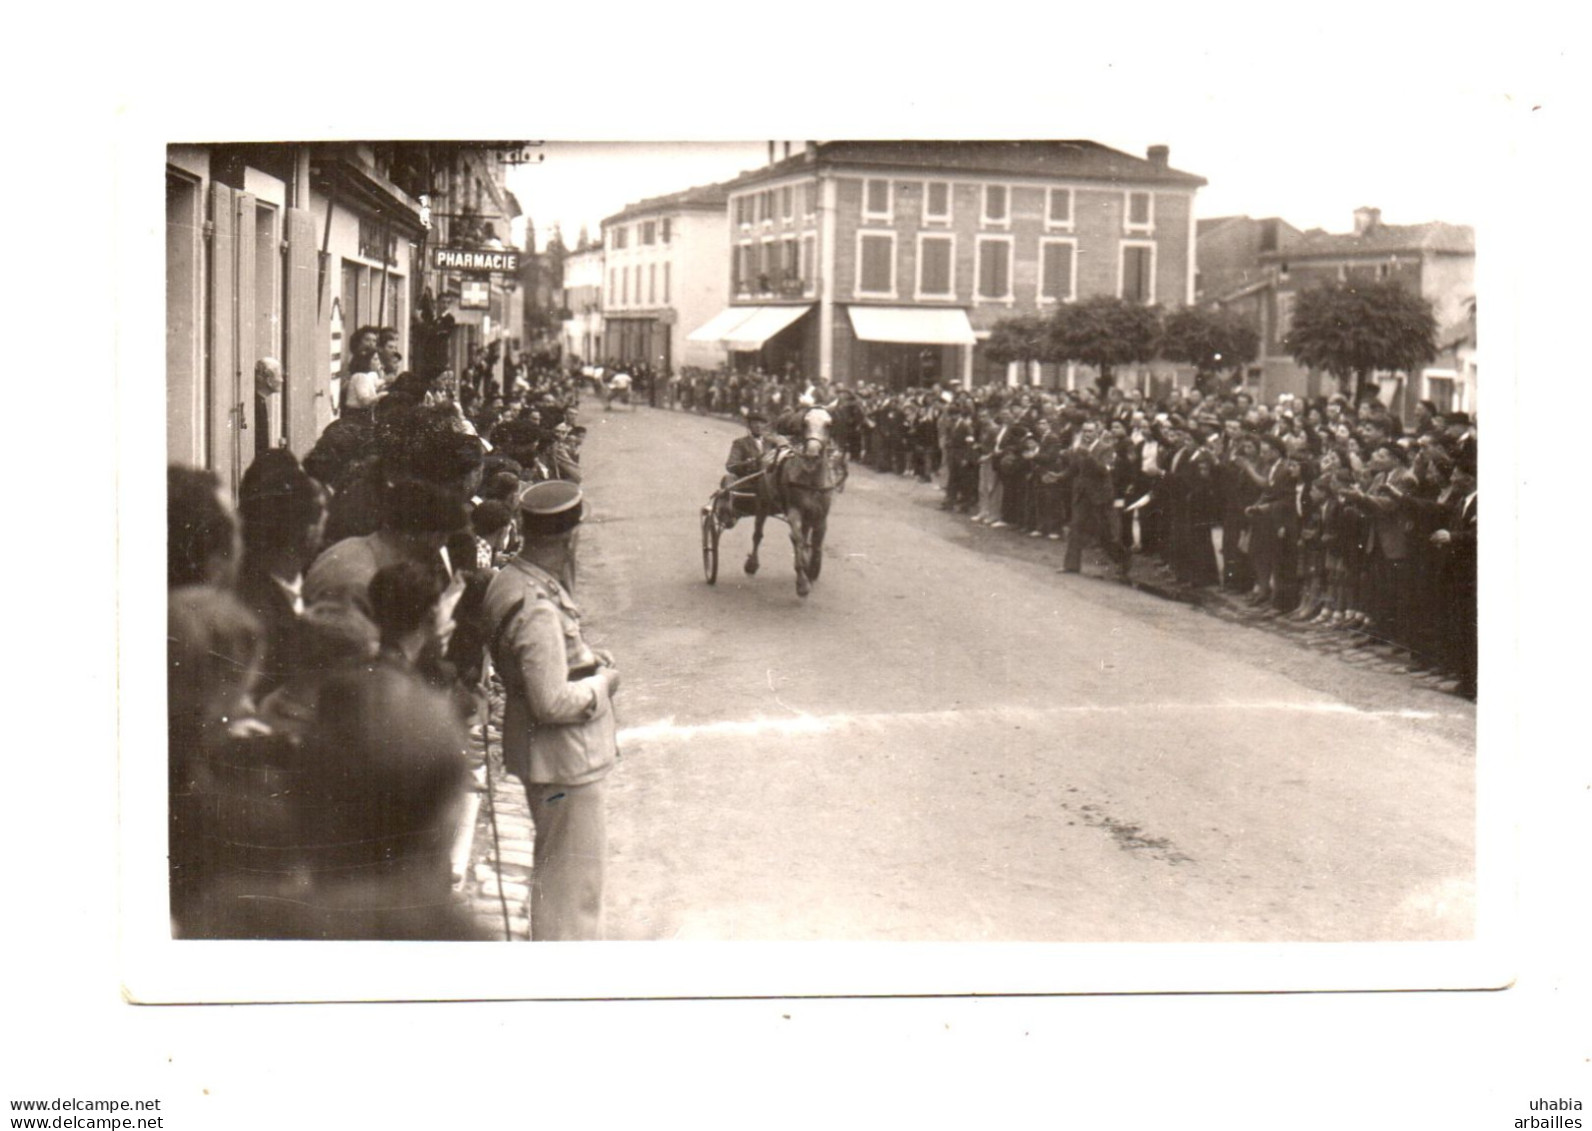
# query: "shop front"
902,347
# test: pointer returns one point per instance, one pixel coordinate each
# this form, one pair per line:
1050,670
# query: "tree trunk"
1105,380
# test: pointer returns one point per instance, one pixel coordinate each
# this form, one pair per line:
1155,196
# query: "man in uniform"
558,724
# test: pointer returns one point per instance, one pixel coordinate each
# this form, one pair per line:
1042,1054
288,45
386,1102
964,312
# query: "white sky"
1421,144
1312,170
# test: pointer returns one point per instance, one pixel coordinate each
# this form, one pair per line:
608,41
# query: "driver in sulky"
746,458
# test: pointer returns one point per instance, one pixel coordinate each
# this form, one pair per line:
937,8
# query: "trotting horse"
800,486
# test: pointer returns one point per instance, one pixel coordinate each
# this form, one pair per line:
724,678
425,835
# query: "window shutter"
221,375
308,345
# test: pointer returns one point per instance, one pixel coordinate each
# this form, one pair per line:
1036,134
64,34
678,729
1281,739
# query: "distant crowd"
1320,511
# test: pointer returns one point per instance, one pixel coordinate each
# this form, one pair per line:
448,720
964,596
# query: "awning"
912,325
768,321
714,329
747,327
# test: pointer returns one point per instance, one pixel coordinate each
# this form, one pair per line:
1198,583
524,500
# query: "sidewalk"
493,872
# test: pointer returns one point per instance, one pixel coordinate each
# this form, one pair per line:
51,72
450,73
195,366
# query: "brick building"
890,261
1434,260
663,261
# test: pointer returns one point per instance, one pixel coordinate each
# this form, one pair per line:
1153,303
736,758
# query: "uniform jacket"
558,725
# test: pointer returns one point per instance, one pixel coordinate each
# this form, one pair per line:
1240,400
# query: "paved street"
950,741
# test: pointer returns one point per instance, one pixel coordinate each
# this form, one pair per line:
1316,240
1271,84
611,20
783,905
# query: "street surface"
950,741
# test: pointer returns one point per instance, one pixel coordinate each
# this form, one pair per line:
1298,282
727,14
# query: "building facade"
279,252
1434,260
582,297
891,261
663,273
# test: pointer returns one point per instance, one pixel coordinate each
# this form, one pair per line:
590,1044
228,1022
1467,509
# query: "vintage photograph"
912,541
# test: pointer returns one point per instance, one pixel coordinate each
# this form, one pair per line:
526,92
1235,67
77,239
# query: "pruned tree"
1351,330
1212,341
1104,332
1024,338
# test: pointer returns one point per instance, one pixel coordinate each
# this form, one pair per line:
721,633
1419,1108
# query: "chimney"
1158,155
1366,220
770,153
787,151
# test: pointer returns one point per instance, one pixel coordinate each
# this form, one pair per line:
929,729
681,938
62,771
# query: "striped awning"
747,327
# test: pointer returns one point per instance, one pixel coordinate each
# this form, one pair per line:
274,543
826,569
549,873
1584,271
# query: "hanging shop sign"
475,294
473,261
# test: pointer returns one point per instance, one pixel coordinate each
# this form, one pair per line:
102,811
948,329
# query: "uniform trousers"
569,861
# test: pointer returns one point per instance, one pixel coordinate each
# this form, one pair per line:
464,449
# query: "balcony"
773,286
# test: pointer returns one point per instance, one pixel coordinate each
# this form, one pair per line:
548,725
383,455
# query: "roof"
1211,223
1384,239
1072,160
700,196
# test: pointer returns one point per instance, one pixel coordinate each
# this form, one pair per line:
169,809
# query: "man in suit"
1092,496
746,458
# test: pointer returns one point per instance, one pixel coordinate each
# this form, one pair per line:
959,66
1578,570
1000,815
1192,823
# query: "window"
624,287
995,205
994,267
787,202
666,275
1140,216
1285,313
809,253
613,291
1137,281
937,202
1058,208
787,261
619,237
936,254
666,229
810,198
652,283
1057,259
768,206
876,264
743,210
875,199
744,270
649,232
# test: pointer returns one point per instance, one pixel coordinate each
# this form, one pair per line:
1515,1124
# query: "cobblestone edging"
498,872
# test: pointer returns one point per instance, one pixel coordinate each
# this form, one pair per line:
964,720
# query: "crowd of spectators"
327,653
1317,512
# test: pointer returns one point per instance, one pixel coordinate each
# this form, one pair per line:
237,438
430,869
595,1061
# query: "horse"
800,485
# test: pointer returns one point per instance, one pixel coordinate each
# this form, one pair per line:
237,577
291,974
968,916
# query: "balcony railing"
773,286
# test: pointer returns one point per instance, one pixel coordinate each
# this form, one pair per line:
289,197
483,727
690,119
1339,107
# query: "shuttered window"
994,268
877,199
1056,271
995,203
876,264
934,271
1137,281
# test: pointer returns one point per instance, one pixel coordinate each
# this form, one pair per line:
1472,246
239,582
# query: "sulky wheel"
710,544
